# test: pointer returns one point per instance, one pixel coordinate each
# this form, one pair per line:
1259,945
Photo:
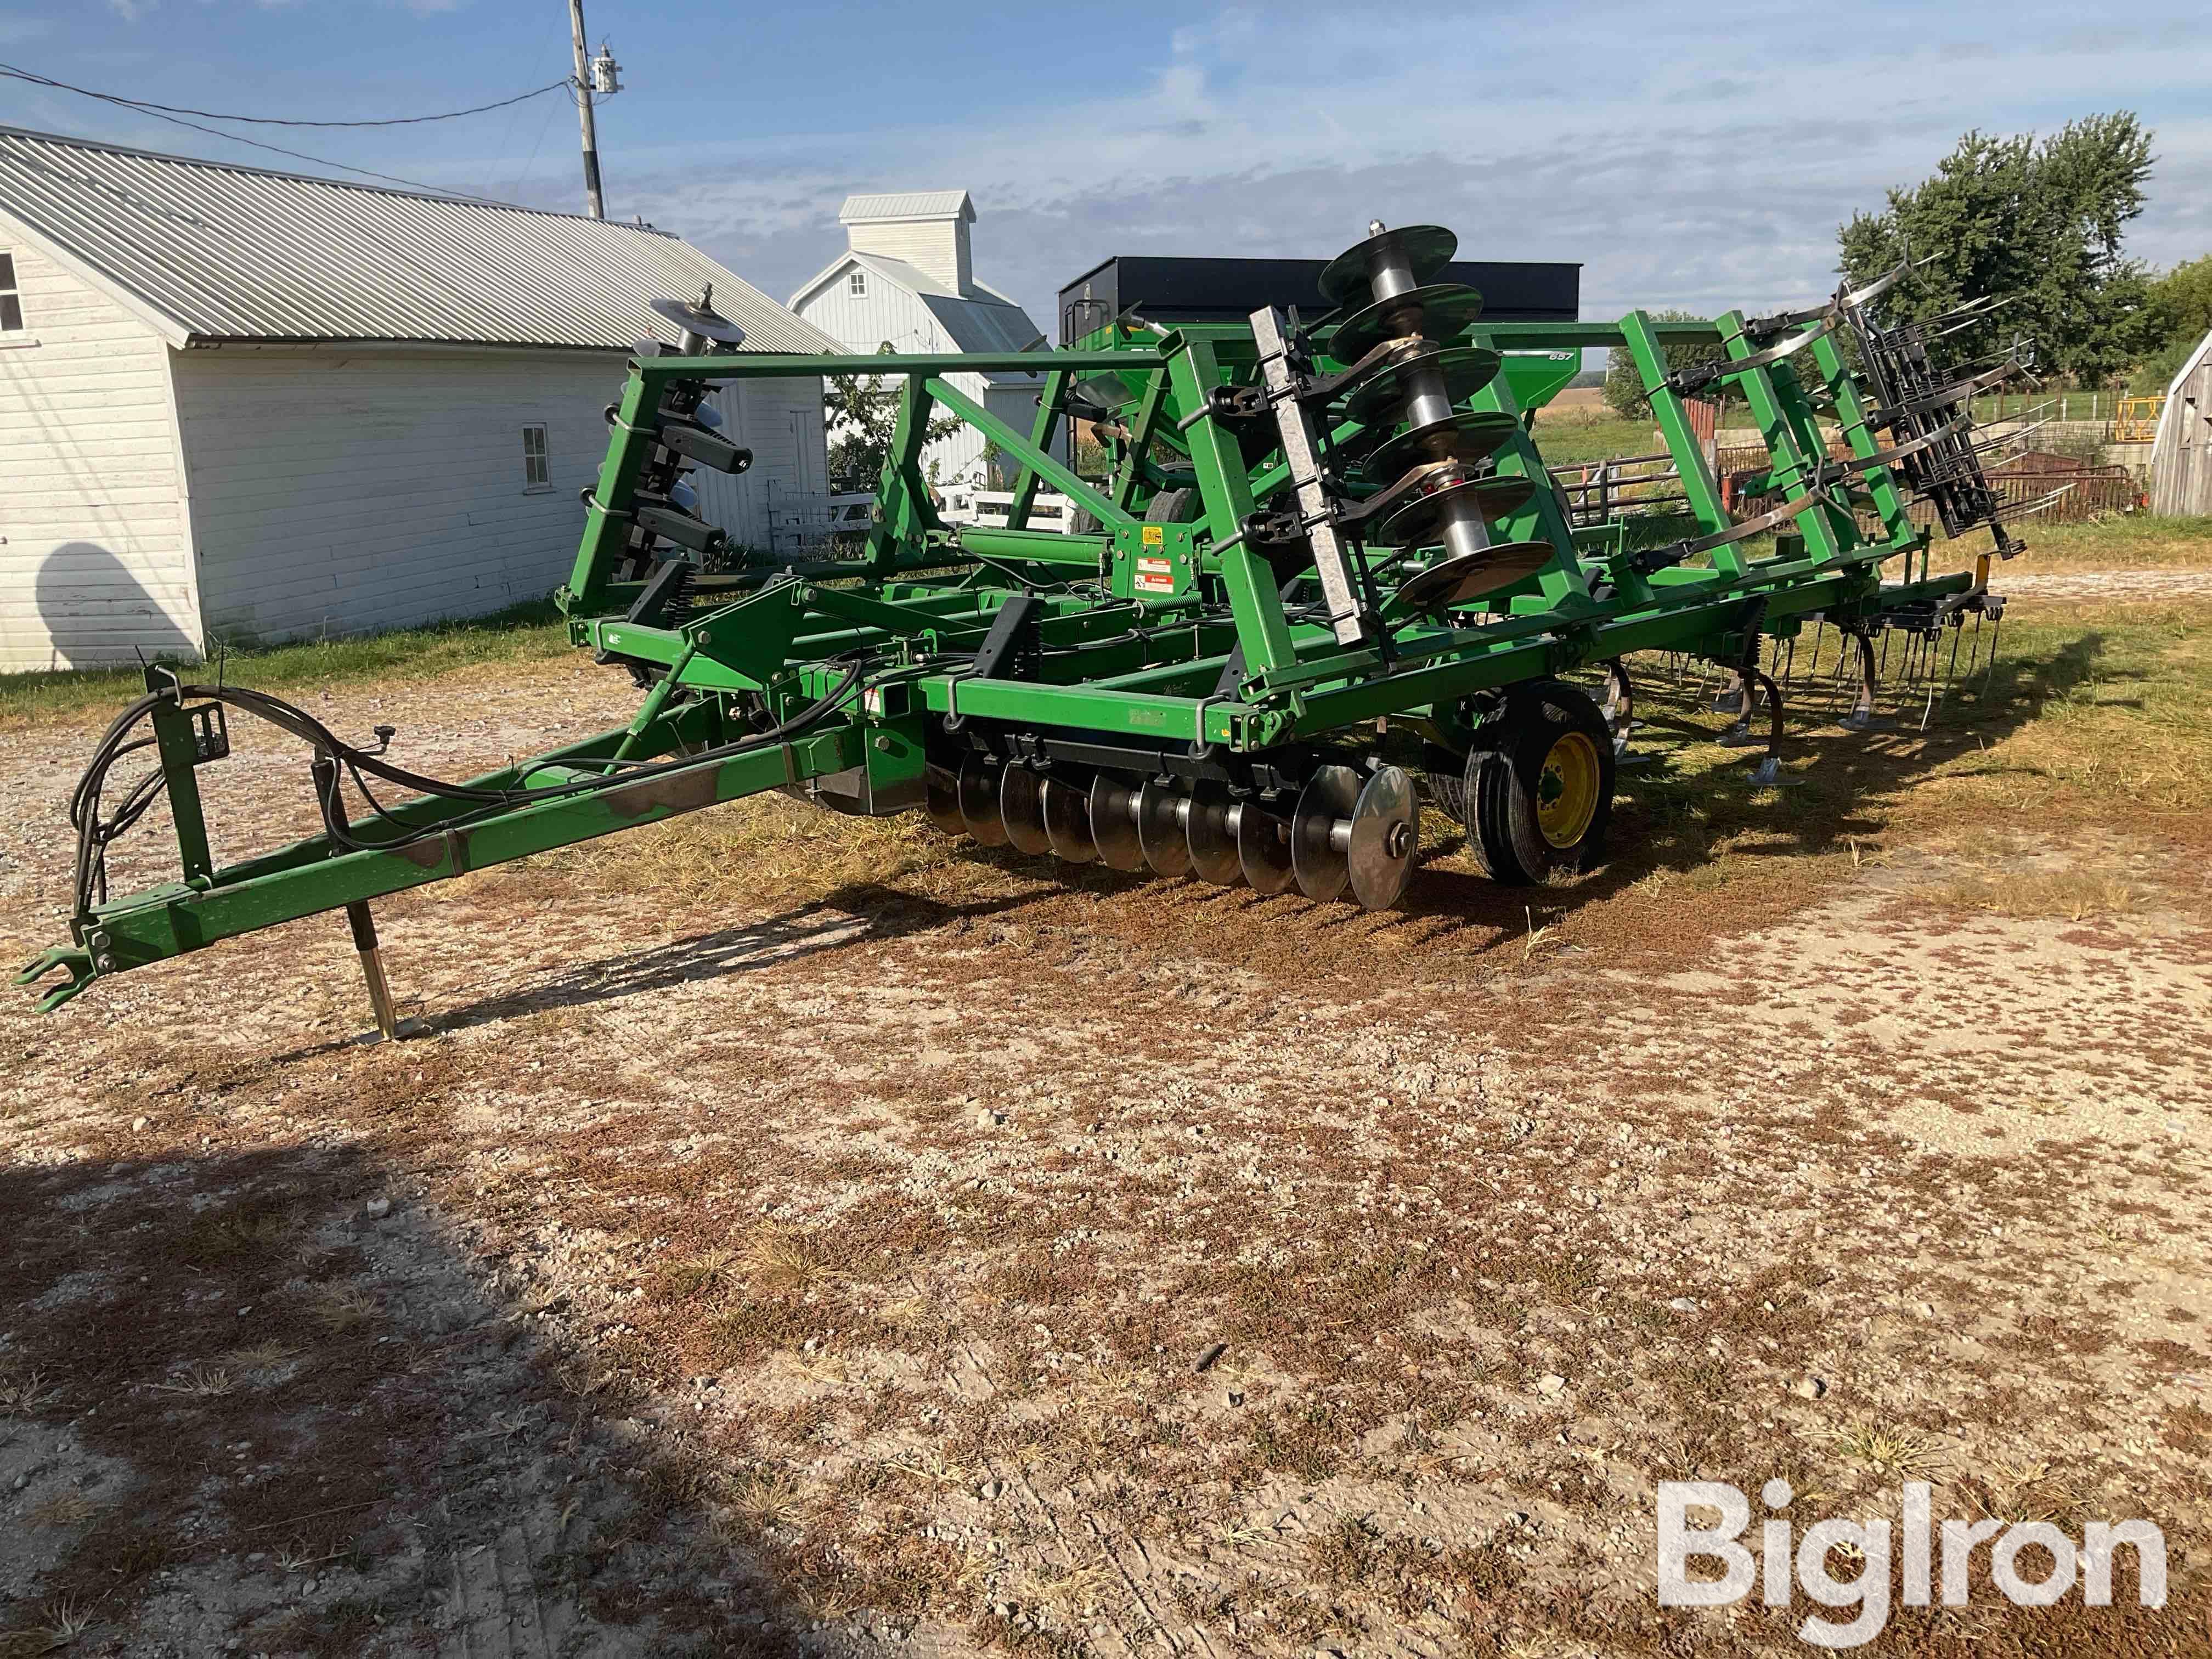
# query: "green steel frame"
1156,637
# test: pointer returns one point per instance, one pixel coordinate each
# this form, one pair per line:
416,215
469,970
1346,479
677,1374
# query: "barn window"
536,473
857,282
11,302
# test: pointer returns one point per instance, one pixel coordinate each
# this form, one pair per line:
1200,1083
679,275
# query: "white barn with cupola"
239,405
906,281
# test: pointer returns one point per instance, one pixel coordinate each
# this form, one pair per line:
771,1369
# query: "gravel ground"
992,1263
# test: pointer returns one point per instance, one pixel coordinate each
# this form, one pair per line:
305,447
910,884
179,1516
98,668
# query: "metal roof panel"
232,252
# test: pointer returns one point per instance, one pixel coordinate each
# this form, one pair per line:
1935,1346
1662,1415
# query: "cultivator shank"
1322,574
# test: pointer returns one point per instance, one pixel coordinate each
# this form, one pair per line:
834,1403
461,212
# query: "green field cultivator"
1324,571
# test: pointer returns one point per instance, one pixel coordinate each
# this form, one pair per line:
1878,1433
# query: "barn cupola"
927,228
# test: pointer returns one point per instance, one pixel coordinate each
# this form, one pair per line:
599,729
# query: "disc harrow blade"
1021,809
1067,821
979,801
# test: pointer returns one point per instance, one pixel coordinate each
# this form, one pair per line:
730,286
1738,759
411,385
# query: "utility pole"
584,112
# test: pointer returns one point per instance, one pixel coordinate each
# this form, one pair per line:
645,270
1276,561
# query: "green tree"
1623,387
862,412
2177,312
2035,223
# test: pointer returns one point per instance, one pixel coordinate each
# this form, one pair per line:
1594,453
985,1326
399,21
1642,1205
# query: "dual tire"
1537,794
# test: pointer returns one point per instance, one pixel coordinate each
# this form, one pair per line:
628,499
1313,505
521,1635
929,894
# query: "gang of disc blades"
1114,823
1426,250
1160,808
1446,309
1263,849
1321,865
1067,821
1418,523
1021,808
1385,833
1379,399
1211,834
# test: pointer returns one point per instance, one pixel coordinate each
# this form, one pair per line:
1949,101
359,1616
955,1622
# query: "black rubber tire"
1175,507
1504,780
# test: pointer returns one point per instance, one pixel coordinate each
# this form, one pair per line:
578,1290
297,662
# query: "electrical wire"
37,79
275,149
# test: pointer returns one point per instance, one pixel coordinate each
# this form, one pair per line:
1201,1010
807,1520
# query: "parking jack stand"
372,969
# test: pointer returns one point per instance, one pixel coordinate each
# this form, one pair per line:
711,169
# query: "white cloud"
131,11
1678,172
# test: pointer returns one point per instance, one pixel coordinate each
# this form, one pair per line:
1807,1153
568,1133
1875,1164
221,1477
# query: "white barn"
906,280
245,406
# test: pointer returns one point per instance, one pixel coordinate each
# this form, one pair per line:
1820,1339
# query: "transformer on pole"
602,75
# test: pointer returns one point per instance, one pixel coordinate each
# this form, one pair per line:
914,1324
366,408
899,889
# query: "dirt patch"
966,1258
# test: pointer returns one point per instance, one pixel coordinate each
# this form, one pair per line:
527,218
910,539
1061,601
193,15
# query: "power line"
270,120
256,143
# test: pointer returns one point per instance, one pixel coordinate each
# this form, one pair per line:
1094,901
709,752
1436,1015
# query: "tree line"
2038,222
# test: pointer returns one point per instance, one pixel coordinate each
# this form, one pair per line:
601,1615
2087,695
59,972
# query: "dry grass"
2132,541
66,1509
768,848
2072,896
199,1382
22,1393
1887,1451
347,1309
64,1621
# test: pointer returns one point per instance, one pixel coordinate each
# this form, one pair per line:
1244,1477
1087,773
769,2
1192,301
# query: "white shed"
239,405
906,280
2181,459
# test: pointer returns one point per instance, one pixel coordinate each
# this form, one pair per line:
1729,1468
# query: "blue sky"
1694,157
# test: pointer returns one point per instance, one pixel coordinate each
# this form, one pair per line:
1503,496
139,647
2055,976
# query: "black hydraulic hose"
93,833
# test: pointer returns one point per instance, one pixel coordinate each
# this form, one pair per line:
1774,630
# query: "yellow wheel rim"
1566,790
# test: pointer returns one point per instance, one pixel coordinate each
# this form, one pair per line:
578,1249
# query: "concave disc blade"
1466,435
1425,249
1379,399
1114,822
1263,849
1161,808
979,801
942,786
1067,821
1320,864
1437,312
1211,834
1021,807
1419,522
1385,834
1469,576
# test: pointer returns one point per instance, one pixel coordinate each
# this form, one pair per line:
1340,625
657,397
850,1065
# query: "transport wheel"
1540,789
1173,507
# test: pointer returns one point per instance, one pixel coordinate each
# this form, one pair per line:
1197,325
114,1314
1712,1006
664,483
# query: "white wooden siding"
781,421
888,313
95,566
334,492
939,247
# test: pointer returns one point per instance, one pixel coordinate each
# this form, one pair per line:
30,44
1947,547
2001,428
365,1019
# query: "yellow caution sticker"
1156,535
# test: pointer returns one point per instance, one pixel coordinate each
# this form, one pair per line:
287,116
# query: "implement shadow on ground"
854,916
230,1382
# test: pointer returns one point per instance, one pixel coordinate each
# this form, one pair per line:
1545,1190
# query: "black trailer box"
1172,290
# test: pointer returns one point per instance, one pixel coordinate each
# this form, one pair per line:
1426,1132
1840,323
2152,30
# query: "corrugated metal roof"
907,204
216,252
